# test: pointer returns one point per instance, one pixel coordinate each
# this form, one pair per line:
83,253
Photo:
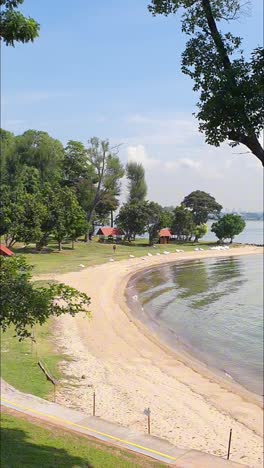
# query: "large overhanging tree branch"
231,102
23,306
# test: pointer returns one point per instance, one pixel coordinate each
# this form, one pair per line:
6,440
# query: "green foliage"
75,164
200,231
109,171
23,306
21,215
202,205
49,191
133,218
136,182
157,219
229,226
231,88
15,27
38,149
183,223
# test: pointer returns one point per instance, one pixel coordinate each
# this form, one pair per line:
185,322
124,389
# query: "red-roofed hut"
110,233
5,251
165,236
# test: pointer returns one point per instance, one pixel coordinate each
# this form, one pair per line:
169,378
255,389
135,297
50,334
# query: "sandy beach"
130,370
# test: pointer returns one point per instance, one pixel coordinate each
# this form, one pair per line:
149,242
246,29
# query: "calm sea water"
252,234
212,308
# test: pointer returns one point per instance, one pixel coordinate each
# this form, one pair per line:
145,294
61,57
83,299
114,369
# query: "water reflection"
213,306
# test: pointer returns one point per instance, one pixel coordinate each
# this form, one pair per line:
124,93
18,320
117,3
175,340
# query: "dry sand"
130,370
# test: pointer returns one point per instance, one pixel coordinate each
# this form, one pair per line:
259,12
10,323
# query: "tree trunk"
72,244
250,139
59,245
112,218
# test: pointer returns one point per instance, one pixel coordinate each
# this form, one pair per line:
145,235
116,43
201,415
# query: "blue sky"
110,69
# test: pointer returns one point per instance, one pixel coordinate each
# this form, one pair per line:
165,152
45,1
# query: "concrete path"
77,421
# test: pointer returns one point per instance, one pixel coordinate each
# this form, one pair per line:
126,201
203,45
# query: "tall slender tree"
137,186
108,170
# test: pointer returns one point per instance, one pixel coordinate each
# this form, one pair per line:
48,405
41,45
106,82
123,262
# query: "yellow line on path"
64,421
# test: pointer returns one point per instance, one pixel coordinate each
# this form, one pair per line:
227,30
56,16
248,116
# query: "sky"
109,69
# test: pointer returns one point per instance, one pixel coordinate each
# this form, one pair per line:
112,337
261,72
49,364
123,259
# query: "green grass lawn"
24,444
92,253
19,361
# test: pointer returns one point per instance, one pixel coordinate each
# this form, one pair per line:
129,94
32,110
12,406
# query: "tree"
15,27
133,218
21,215
200,231
155,221
201,204
108,170
7,142
74,216
137,186
231,88
23,305
183,223
38,149
229,226
75,164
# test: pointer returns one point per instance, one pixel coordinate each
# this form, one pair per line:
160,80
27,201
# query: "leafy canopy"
229,226
23,306
202,205
231,88
15,27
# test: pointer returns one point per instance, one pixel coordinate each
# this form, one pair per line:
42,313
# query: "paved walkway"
151,446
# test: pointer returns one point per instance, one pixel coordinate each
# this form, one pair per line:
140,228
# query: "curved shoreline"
131,369
180,350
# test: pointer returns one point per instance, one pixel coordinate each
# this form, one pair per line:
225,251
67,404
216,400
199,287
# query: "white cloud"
177,161
138,154
183,162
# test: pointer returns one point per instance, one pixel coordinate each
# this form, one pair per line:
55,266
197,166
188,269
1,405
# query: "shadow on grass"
18,451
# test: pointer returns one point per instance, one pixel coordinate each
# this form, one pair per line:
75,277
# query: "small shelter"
109,233
165,236
5,251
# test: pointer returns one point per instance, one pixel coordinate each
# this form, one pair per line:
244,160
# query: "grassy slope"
19,361
25,444
90,254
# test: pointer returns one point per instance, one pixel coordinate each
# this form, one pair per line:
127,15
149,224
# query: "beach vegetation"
231,105
15,27
229,226
23,305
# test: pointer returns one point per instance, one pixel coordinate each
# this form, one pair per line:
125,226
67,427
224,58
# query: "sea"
212,309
